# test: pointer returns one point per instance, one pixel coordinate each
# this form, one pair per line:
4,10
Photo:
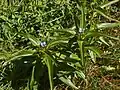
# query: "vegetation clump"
59,44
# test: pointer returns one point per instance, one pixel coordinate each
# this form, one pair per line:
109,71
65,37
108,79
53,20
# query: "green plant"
41,44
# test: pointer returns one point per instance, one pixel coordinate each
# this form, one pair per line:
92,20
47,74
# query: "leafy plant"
51,40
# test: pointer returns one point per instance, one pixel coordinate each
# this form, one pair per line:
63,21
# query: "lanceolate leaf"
74,56
49,64
110,3
35,41
94,49
22,53
108,25
70,31
100,12
80,74
91,34
16,55
93,56
102,39
98,34
68,82
57,42
105,35
32,79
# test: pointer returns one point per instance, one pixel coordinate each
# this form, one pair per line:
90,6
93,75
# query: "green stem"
81,46
82,23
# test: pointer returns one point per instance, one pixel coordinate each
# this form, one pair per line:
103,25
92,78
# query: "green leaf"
76,22
115,38
35,41
57,42
49,64
90,34
4,55
80,74
70,31
93,56
100,12
98,34
32,79
1,39
74,56
68,82
110,3
22,53
108,25
108,68
94,49
102,39
4,18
